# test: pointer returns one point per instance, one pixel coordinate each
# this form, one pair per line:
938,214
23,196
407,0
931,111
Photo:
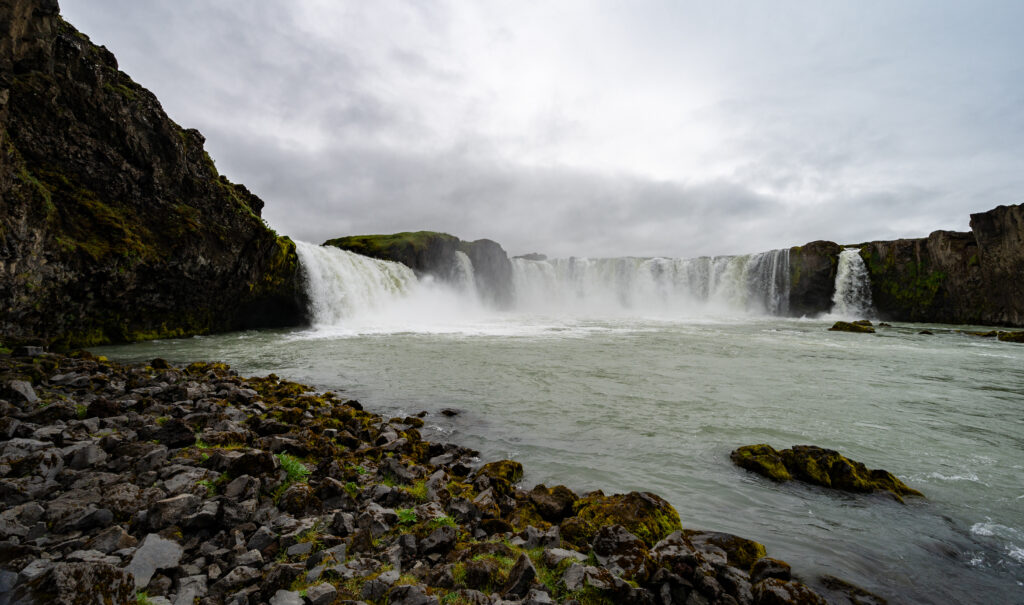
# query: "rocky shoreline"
165,484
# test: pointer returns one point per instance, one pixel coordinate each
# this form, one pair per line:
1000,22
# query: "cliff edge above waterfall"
114,223
948,277
433,253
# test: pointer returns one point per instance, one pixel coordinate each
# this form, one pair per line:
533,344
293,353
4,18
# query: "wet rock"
741,552
854,327
820,466
155,553
64,583
780,592
851,592
767,567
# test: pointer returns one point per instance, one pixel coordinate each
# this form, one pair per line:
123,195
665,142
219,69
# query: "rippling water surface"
646,404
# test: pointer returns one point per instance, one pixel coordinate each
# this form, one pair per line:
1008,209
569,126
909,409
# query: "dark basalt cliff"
433,253
947,277
114,223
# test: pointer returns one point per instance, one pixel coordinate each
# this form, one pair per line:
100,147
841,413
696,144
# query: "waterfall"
341,284
852,297
351,291
463,274
756,283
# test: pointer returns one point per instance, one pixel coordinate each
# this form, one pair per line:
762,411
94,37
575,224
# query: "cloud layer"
594,128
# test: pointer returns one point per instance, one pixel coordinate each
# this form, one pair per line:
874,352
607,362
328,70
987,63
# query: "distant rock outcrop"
433,253
947,277
114,223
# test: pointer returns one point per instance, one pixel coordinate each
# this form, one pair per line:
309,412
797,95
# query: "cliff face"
114,223
947,277
432,253
812,276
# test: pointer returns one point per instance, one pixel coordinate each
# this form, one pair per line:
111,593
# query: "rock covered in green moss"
856,328
115,223
644,514
819,466
1011,337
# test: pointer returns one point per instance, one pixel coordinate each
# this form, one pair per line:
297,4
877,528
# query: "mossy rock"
741,552
507,470
763,460
855,327
820,466
1012,337
644,514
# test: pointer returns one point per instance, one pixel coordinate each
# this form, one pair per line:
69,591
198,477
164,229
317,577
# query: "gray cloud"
659,129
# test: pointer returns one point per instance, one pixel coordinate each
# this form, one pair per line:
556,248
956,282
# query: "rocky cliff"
114,223
432,253
947,277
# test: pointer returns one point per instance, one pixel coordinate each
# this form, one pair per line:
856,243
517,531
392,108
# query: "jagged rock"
740,552
622,553
520,577
23,391
155,553
441,540
819,466
172,433
235,580
287,597
410,595
172,511
254,463
111,539
64,583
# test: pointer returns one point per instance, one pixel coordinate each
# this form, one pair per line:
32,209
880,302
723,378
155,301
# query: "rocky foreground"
163,484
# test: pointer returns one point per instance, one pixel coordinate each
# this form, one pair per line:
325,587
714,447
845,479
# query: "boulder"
857,328
84,583
643,514
155,553
819,466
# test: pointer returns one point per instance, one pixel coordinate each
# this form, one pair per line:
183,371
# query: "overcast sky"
594,128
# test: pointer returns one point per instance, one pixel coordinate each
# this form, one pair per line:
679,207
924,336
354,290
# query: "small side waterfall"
342,284
463,274
852,297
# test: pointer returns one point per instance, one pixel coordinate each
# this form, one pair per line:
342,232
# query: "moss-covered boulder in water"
855,327
819,466
1011,337
508,470
643,514
762,459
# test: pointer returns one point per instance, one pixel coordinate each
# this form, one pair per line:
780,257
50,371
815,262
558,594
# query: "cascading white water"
852,297
341,284
464,276
362,293
757,283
